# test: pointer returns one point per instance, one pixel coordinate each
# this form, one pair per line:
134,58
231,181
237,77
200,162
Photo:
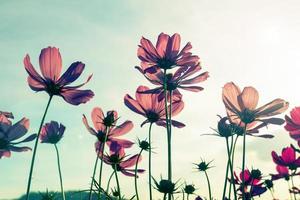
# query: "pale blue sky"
251,43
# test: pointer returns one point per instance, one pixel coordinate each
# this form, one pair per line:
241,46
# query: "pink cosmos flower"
293,124
52,132
253,183
117,158
10,132
287,158
166,54
242,108
181,79
53,82
149,106
282,172
106,123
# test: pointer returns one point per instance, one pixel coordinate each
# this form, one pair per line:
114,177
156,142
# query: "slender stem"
208,183
183,195
60,174
187,196
93,177
108,183
168,130
101,154
289,189
244,159
35,148
226,176
165,196
293,185
231,167
135,175
272,194
150,163
232,160
117,180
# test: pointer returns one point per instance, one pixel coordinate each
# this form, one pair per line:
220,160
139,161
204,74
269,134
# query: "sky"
252,43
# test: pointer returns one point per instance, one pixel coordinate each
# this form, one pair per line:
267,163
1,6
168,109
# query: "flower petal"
121,129
173,46
97,118
161,44
249,98
90,129
50,63
133,105
275,107
130,161
75,96
72,73
18,129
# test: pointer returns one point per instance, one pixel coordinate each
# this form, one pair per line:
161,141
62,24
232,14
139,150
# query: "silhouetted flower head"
253,184
198,198
48,195
165,186
9,133
151,108
52,132
293,124
181,79
203,166
166,54
144,144
268,183
287,158
241,108
189,189
53,82
115,192
117,159
107,123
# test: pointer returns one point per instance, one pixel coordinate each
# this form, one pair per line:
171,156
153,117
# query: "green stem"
35,149
150,161
60,174
231,167
165,196
117,180
135,175
208,183
101,163
108,183
183,195
289,189
187,196
272,194
168,130
293,185
93,177
244,159
226,176
232,161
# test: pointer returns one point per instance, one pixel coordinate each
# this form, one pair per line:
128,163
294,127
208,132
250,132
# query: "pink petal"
133,105
177,107
5,153
90,129
149,48
97,118
185,49
50,63
30,70
230,93
36,85
197,79
288,155
282,170
276,159
191,88
130,161
275,107
249,98
123,143
121,129
173,46
295,115
161,44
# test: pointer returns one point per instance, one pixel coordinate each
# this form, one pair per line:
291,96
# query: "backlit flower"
287,158
253,184
293,123
105,127
9,133
282,172
151,108
181,79
53,82
166,54
117,159
52,132
242,108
